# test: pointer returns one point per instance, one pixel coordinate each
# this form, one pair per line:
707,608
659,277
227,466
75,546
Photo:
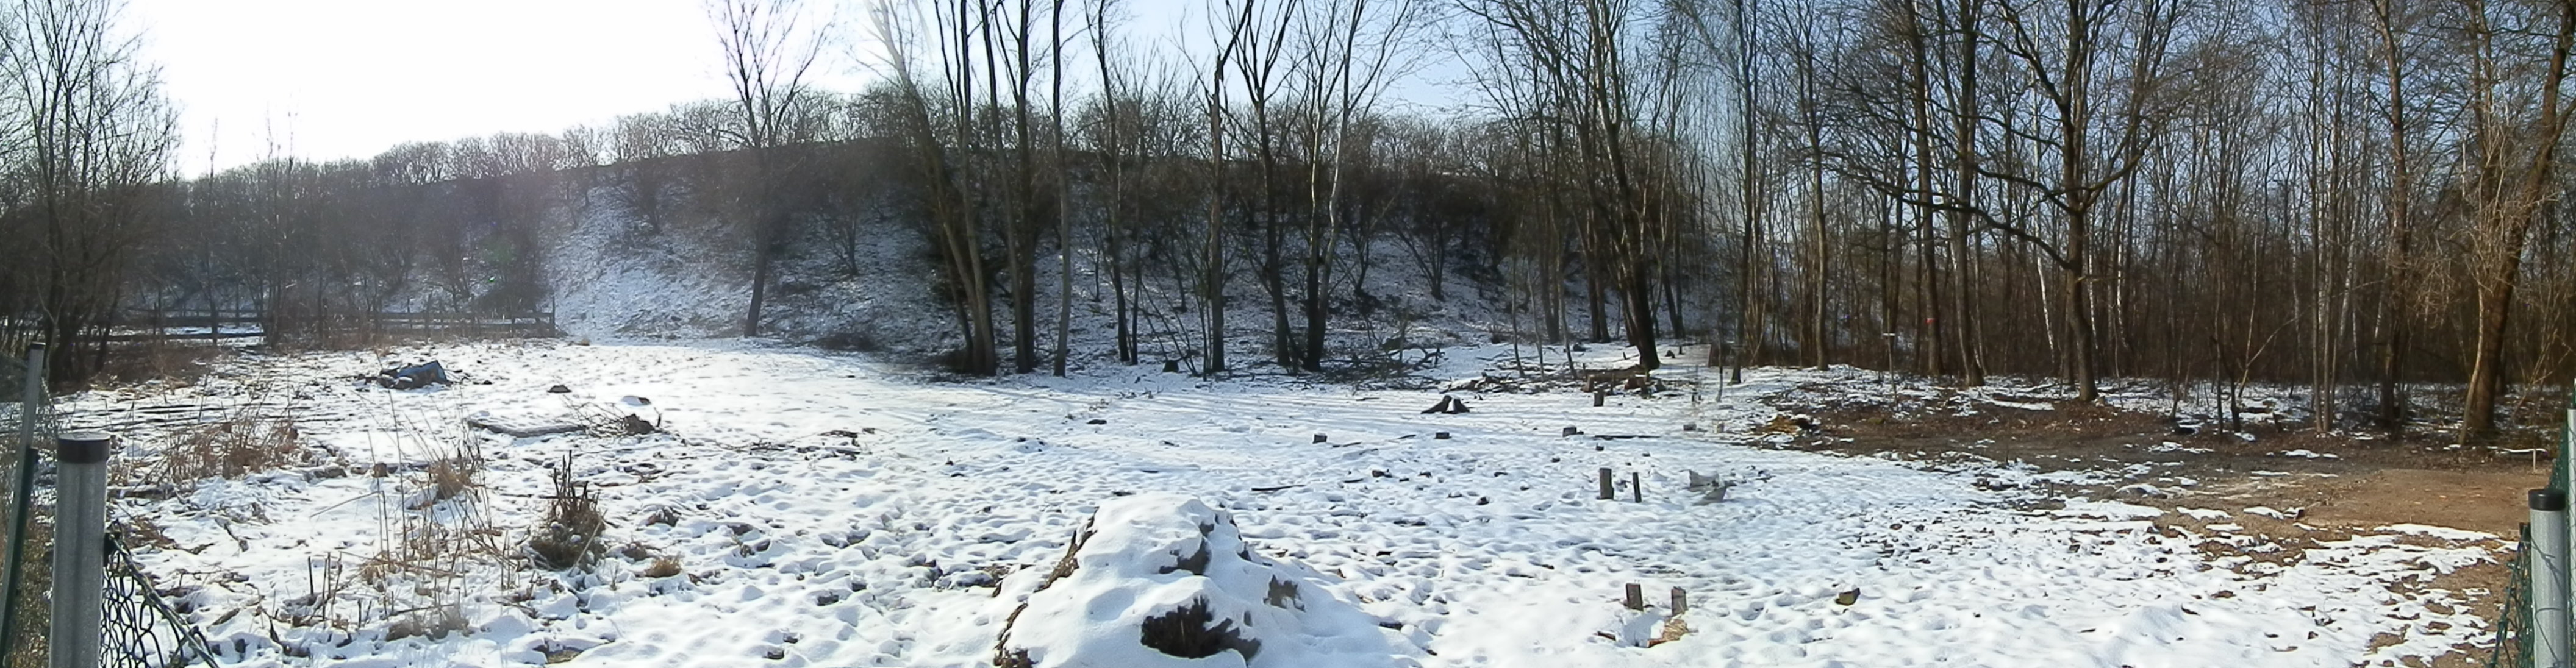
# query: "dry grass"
569,537
175,361
662,567
242,444
456,474
36,578
439,549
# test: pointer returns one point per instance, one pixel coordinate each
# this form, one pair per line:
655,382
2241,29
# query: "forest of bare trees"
2361,198
84,135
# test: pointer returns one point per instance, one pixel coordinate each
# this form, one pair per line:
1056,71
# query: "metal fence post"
2548,586
32,402
80,549
31,394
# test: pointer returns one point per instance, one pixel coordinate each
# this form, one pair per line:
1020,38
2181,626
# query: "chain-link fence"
2513,623
13,400
13,375
28,570
137,627
141,628
2514,633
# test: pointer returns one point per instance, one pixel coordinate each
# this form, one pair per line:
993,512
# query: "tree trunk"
1967,343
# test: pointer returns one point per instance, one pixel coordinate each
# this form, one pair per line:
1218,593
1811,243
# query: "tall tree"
768,50
2081,56
2517,117
87,134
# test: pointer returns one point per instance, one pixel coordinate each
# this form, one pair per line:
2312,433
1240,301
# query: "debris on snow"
412,376
525,422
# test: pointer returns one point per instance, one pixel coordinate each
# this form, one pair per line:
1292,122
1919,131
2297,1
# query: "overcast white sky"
330,79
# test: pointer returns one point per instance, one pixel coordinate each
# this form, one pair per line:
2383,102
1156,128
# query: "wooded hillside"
2356,196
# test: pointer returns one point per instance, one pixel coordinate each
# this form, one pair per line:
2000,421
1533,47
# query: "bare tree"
2518,115
939,125
2081,56
1238,19
768,51
88,133
1349,51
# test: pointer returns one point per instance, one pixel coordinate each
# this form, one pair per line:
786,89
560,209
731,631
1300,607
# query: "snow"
2274,513
2170,446
2444,533
1157,553
526,421
830,510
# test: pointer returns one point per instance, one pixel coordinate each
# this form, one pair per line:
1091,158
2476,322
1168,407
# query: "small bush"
662,567
238,445
570,536
179,362
453,476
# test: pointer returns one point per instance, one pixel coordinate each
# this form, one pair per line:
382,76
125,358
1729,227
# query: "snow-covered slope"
823,510
613,280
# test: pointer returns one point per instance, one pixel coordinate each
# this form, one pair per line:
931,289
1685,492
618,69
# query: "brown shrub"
233,447
570,535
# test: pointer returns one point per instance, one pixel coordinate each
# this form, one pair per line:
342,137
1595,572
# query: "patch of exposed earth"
2263,497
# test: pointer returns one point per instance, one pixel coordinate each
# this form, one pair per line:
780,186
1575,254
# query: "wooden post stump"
1636,596
1606,492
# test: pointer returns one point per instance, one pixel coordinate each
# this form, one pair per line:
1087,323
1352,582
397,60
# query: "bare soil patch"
2328,486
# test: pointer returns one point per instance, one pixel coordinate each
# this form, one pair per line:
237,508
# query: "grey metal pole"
80,549
20,492
2564,573
2548,586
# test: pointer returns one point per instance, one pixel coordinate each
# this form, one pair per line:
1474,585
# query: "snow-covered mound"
1164,580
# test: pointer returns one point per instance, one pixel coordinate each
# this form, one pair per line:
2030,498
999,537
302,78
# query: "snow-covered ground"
826,510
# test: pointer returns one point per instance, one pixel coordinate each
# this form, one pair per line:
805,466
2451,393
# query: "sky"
328,79
333,79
